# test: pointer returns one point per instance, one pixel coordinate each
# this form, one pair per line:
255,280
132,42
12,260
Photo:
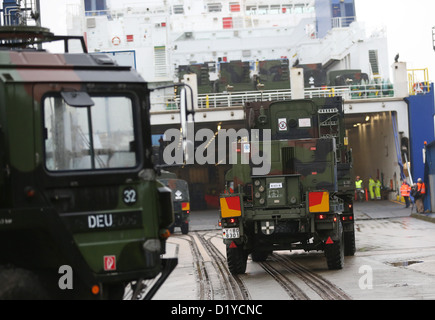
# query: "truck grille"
288,160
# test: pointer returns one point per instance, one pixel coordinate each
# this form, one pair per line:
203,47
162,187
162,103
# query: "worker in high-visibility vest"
405,191
378,189
419,196
371,188
358,183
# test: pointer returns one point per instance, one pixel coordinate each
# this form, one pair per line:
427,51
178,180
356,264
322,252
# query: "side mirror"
186,110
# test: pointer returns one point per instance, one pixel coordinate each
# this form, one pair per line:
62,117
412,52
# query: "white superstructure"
158,36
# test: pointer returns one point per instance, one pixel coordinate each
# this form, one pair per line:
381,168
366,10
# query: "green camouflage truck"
81,212
306,200
180,200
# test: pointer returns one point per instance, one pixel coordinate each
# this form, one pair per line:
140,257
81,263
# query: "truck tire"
236,260
349,243
20,284
185,228
335,252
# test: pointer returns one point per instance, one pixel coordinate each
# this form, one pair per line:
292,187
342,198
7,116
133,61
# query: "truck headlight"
152,245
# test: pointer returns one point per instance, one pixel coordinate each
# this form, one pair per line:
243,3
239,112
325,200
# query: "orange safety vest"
421,187
405,190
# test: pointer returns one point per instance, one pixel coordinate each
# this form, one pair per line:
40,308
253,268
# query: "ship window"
286,8
214,7
89,138
234,7
251,10
263,9
178,9
275,9
299,8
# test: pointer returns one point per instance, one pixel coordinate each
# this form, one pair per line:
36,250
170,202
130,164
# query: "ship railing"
237,99
94,13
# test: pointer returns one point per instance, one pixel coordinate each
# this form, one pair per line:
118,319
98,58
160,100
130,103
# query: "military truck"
81,212
306,200
180,200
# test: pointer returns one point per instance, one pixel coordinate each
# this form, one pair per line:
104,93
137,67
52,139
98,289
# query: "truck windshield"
89,138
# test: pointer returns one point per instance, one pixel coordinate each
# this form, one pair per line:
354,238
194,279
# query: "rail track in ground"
395,255
215,282
319,285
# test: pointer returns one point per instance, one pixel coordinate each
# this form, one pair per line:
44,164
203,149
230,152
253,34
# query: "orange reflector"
95,289
233,244
318,201
185,206
164,233
230,207
329,241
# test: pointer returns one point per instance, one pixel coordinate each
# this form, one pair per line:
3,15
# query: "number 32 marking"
129,196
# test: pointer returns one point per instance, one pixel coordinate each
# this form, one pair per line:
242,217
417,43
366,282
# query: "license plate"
231,233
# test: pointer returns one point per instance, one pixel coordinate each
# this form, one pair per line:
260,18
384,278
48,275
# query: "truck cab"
78,190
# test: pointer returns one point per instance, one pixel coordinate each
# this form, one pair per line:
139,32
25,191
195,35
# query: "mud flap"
236,258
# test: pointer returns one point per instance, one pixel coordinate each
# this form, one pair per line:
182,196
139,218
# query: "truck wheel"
185,228
349,243
20,284
236,259
335,252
